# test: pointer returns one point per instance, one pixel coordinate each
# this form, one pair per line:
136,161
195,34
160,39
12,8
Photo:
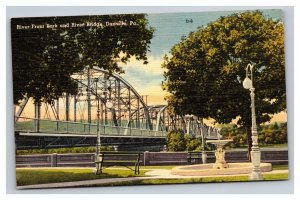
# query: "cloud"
153,66
146,79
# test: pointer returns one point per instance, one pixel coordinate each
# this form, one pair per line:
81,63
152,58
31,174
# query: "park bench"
125,159
196,157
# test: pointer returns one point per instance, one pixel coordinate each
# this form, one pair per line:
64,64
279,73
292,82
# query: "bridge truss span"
105,102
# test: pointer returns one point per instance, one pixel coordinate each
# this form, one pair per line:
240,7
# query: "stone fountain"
220,167
219,153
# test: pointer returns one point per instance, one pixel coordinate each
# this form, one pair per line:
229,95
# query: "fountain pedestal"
219,153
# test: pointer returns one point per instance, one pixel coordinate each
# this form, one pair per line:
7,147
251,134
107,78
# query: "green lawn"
285,145
267,177
280,167
151,167
40,176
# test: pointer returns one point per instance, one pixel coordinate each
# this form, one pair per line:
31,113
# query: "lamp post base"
204,157
98,167
255,157
255,176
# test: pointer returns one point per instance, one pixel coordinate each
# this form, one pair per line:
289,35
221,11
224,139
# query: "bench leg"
99,169
138,168
135,168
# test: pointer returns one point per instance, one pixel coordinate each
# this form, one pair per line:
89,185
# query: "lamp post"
188,118
203,155
98,144
255,151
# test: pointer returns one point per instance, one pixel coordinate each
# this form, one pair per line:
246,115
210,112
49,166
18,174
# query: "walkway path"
153,174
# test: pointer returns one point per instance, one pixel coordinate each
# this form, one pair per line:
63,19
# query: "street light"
255,152
98,145
203,155
188,118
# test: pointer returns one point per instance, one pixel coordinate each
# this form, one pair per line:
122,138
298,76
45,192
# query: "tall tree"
47,51
205,71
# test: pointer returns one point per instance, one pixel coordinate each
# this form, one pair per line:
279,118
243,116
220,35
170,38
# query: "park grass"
244,178
284,145
40,176
152,167
276,177
32,176
280,167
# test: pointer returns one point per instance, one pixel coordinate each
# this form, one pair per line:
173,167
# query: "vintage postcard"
141,99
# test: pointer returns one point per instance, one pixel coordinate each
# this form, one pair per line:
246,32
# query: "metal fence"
149,158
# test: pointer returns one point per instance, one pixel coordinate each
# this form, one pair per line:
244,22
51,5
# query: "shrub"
91,149
176,141
192,143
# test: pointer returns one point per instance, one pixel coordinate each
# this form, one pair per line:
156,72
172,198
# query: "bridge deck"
84,135
29,126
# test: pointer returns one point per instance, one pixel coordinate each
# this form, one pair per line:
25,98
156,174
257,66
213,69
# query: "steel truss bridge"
107,103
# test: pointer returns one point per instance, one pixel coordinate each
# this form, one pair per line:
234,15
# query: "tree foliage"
45,58
269,134
175,141
178,141
193,143
205,71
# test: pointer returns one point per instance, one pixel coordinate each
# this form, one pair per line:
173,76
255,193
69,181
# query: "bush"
192,143
91,149
176,141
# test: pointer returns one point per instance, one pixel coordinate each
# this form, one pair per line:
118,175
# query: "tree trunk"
249,138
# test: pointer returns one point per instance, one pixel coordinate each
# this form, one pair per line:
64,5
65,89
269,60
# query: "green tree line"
269,134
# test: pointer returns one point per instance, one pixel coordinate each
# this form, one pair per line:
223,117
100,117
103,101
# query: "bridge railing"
32,125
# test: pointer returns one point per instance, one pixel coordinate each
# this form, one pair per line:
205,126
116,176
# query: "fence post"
54,160
146,158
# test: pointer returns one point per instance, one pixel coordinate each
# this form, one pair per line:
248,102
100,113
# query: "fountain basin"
219,153
219,143
208,170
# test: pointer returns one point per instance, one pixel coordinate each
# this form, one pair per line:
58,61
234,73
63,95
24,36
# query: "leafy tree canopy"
45,58
205,71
